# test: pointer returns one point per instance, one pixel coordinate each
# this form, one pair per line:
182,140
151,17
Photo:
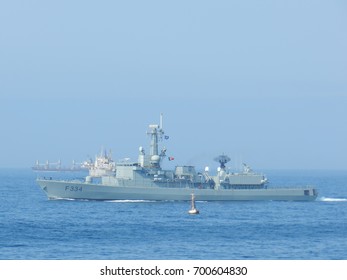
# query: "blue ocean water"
33,227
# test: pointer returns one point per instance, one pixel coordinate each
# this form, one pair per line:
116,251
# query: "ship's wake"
331,199
114,201
70,199
129,201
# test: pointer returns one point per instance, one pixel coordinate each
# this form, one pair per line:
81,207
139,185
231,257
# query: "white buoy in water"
193,209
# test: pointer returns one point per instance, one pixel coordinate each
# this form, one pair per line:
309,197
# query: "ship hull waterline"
89,191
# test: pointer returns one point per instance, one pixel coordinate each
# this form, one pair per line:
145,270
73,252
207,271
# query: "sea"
33,227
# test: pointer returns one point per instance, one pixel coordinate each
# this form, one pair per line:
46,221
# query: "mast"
156,132
161,121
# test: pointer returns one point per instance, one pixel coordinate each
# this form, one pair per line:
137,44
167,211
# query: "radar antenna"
222,159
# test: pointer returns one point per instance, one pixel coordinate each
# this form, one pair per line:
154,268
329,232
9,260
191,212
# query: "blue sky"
262,81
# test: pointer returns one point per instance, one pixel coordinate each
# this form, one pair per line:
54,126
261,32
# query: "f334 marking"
73,188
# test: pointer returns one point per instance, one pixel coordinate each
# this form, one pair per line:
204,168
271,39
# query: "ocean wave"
331,199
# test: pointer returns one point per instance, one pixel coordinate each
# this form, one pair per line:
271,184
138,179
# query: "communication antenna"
161,121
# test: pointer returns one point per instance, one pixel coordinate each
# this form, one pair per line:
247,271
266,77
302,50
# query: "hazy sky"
262,81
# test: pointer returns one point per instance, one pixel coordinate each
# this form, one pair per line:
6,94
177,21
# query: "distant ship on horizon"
58,167
102,165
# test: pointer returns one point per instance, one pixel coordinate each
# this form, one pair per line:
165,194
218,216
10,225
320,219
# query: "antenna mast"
161,121
156,132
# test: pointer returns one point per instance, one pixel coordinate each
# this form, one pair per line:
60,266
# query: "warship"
145,179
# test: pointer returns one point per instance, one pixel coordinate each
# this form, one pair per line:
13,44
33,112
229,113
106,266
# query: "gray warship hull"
86,191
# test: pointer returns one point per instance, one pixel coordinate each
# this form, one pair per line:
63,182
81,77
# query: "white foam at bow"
329,199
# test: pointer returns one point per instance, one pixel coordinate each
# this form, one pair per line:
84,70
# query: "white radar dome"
155,158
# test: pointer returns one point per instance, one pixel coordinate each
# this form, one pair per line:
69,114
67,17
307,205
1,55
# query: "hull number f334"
73,188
